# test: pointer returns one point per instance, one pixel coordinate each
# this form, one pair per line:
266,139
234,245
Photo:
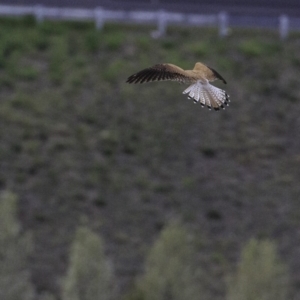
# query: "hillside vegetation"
79,146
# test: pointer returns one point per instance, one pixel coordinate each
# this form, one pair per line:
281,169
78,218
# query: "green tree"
260,274
15,281
89,276
170,272
46,296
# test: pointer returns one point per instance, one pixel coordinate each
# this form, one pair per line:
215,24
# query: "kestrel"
200,89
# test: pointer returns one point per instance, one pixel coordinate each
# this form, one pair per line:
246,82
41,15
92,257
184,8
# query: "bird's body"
200,89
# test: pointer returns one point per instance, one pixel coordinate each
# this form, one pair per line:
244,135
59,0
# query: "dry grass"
77,140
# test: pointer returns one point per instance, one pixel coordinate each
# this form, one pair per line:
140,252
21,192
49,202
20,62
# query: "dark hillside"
80,146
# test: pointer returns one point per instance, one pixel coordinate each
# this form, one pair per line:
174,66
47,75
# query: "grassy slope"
79,146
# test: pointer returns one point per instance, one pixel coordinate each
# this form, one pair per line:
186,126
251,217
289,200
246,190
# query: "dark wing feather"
217,75
159,72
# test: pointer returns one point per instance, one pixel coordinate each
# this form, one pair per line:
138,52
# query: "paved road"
235,7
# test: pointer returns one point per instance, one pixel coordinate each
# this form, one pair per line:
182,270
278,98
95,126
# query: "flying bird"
200,89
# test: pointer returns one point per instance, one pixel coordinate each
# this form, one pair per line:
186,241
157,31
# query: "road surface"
234,7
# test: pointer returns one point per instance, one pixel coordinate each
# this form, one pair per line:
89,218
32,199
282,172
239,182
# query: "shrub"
58,58
260,274
92,41
89,276
168,44
113,71
144,43
200,49
256,48
114,40
170,272
28,73
14,250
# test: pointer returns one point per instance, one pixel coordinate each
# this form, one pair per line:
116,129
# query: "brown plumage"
200,90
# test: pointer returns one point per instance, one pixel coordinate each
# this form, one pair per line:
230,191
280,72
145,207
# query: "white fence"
160,17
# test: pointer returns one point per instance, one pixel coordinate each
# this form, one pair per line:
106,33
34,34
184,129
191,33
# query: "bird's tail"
208,95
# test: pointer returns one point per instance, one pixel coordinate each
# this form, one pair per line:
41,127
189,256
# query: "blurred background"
118,191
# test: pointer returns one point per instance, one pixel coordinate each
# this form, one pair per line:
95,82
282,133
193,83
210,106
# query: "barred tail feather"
208,95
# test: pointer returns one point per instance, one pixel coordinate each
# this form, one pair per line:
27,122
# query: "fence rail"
160,17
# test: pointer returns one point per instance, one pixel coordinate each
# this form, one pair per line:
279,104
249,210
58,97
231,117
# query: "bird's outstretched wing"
217,75
160,72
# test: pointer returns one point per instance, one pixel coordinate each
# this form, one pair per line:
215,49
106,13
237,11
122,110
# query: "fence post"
283,27
161,24
99,17
39,13
223,24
